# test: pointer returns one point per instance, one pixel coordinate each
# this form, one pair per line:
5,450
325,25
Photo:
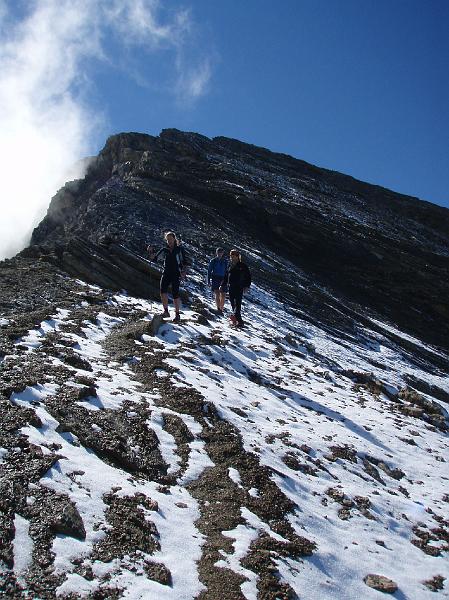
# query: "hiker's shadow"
247,353
229,359
293,399
236,367
168,334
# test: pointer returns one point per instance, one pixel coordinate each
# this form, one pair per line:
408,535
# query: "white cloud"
46,123
136,20
193,81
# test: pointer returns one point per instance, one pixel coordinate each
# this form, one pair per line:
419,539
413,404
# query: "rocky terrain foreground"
304,456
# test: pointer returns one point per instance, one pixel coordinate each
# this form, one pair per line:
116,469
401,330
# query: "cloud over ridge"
46,121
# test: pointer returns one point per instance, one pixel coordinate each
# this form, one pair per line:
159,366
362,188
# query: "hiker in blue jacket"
215,275
174,270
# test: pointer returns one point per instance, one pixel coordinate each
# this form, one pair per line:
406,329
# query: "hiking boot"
233,319
240,324
165,314
177,318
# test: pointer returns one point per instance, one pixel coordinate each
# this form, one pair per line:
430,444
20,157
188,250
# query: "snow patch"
22,548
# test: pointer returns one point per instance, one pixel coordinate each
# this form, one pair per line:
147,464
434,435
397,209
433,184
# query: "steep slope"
369,245
276,462
302,457
198,461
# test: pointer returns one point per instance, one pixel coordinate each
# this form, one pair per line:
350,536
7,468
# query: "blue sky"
357,86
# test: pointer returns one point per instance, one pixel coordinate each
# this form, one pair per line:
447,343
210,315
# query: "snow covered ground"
324,414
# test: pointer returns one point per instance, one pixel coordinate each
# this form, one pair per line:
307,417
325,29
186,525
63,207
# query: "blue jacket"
217,268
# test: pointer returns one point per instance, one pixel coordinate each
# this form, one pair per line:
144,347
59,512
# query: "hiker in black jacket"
175,269
238,280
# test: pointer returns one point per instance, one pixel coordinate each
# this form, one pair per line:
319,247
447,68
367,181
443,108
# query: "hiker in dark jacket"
174,270
238,280
215,275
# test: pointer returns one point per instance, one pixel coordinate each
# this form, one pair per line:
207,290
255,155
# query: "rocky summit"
303,456
303,225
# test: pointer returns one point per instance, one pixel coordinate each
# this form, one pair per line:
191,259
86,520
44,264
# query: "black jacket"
238,276
175,261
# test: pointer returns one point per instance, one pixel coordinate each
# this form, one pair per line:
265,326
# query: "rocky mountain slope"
386,251
302,457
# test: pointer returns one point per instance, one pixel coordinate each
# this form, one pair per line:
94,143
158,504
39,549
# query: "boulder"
381,583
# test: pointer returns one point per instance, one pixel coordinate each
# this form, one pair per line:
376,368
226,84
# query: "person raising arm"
174,271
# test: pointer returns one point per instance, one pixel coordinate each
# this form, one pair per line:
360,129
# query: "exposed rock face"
381,583
137,453
375,247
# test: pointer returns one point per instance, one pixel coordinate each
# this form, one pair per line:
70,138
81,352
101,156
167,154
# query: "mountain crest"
366,244
291,458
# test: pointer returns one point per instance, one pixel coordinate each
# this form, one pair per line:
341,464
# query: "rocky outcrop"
144,444
107,264
381,583
367,244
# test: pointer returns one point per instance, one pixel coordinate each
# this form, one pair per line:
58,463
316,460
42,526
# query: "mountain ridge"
198,461
375,249
173,133
303,456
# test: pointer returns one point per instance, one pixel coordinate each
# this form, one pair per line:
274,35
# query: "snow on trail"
23,547
85,478
284,402
362,476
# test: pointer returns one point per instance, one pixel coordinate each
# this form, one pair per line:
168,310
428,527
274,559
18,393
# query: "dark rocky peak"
119,149
262,440
296,223
187,140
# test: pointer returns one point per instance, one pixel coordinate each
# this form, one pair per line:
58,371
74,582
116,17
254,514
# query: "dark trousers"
235,297
172,279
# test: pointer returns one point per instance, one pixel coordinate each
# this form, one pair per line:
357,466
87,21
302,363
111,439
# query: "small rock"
155,324
412,411
381,583
158,572
436,583
69,522
335,494
74,360
362,502
344,514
